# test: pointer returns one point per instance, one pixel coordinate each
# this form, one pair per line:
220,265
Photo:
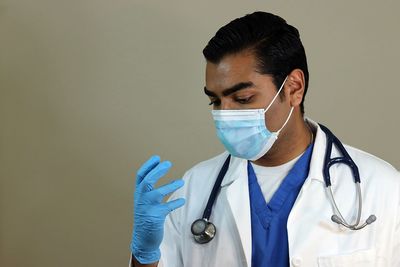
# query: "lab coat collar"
317,157
237,166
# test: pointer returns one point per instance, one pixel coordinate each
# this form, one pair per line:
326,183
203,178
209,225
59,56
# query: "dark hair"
275,44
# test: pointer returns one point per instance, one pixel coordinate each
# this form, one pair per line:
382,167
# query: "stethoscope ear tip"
336,219
371,219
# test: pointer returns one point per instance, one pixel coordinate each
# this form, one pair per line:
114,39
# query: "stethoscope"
204,231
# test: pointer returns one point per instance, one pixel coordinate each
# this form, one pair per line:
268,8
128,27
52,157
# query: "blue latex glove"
149,211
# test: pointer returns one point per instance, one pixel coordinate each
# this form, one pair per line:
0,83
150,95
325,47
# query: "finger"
155,174
173,205
146,168
169,188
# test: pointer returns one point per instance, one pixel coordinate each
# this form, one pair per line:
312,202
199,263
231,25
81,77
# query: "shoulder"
378,177
200,178
207,166
371,165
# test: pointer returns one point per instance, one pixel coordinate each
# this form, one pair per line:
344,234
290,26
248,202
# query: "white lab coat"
314,240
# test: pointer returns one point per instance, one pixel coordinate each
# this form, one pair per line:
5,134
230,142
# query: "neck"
291,142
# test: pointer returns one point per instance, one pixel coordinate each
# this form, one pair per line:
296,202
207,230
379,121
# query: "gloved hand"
149,211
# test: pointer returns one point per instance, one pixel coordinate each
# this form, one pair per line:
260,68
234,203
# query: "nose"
226,104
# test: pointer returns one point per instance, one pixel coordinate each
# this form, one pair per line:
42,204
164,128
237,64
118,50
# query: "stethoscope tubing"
331,140
215,190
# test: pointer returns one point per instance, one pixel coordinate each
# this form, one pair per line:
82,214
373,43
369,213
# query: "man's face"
234,83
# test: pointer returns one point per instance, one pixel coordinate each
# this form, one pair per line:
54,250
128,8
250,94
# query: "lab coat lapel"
237,196
311,200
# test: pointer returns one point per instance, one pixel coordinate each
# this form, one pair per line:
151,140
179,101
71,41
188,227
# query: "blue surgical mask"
243,132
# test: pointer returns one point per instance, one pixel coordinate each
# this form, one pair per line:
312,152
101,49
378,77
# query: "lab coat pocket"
364,258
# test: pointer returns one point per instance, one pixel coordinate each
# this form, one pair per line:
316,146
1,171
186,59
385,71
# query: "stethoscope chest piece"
203,231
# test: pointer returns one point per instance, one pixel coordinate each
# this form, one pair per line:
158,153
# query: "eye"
244,100
215,103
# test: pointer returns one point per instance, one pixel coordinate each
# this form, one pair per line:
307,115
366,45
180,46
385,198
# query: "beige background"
90,89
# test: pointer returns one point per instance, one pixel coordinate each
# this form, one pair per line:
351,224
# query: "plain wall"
90,89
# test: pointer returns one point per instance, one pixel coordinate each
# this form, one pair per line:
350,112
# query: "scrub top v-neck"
268,220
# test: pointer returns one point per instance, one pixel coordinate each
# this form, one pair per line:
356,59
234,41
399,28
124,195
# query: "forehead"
230,70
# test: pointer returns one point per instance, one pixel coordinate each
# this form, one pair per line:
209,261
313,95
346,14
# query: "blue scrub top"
268,221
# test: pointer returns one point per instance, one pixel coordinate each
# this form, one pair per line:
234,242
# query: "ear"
294,87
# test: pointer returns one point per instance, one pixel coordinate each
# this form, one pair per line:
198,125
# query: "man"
272,207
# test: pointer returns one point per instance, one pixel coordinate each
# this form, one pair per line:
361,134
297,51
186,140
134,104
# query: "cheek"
275,116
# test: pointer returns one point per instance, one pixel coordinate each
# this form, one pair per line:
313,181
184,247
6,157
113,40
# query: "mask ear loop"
287,119
280,89
270,104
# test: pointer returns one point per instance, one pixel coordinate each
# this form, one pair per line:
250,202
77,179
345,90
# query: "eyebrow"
230,90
